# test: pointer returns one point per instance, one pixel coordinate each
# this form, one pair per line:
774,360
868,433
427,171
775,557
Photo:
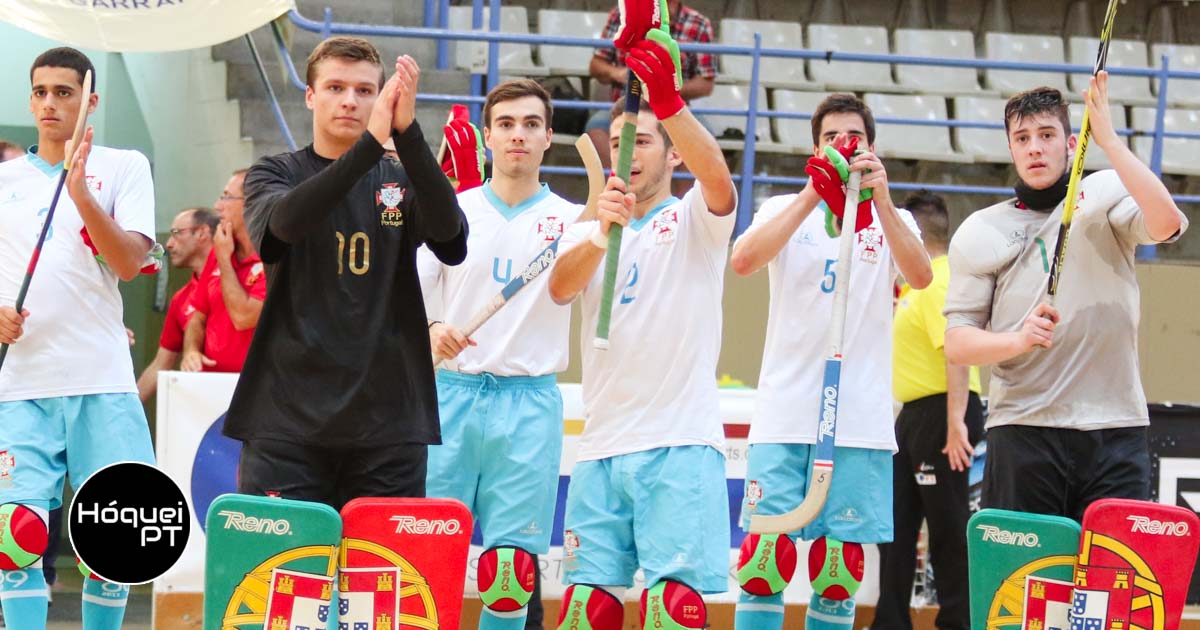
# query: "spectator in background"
941,421
189,245
230,295
608,66
10,150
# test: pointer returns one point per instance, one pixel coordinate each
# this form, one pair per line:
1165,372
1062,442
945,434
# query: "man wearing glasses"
189,246
230,295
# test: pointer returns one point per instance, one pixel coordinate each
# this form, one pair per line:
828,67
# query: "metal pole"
745,210
275,108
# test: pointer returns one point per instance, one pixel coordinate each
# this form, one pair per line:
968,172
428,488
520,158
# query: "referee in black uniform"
337,396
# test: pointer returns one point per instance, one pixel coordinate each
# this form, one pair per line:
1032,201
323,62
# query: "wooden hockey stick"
545,259
822,469
1085,132
68,158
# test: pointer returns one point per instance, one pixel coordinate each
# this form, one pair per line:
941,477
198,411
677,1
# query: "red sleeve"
255,281
199,299
172,332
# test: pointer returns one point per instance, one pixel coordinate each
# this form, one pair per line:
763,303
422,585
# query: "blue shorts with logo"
858,508
44,440
501,447
665,511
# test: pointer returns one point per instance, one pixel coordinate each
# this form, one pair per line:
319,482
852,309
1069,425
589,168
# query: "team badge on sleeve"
549,229
666,227
754,494
389,198
7,464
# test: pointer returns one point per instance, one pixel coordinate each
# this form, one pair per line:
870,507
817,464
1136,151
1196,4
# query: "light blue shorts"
859,506
501,445
665,510
44,440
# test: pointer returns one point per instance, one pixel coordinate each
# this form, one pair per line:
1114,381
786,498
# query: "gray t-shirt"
999,266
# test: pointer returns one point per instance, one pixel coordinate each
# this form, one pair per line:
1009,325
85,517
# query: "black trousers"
331,476
1062,471
924,487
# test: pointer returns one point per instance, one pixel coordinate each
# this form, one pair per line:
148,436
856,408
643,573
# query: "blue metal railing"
480,83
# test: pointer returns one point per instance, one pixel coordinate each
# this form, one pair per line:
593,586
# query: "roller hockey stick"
1085,132
822,470
73,148
633,98
546,258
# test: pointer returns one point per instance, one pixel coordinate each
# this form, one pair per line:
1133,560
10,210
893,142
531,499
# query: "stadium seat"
1096,159
983,145
1122,53
914,42
772,71
735,97
1047,49
794,133
1186,58
1180,155
914,142
568,60
851,75
516,59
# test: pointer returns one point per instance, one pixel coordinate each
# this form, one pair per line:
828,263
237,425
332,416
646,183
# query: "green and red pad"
269,562
1019,564
427,540
1135,564
23,536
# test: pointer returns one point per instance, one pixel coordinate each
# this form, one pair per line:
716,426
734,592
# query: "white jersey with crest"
802,278
656,385
530,335
74,342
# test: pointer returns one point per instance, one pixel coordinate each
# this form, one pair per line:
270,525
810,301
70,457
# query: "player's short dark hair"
618,110
1040,100
5,145
65,57
513,90
345,48
930,212
842,104
202,216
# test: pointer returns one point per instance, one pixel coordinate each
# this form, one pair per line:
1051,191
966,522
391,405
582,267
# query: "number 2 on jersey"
830,278
359,258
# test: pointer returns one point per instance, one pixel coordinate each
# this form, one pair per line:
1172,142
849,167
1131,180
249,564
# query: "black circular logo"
129,523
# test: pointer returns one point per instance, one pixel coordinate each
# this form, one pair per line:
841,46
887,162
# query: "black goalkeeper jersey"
341,355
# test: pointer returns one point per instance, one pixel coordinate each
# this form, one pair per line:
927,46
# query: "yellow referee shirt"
919,337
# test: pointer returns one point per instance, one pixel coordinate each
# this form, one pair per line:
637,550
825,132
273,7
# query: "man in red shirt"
189,246
230,296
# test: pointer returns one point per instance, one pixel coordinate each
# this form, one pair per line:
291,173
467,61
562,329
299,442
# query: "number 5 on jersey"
829,281
358,258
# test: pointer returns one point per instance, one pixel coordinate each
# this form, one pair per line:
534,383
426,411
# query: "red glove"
463,162
829,184
637,18
655,61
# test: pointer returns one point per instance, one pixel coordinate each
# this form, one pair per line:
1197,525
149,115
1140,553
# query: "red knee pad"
23,536
585,605
506,578
674,606
766,563
835,568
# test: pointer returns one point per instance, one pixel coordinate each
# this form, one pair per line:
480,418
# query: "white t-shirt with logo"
529,336
803,277
74,341
656,385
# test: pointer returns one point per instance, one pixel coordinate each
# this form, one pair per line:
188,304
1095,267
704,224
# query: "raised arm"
760,244
583,250
1163,218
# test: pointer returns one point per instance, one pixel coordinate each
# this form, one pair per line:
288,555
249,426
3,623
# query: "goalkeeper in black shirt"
337,397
